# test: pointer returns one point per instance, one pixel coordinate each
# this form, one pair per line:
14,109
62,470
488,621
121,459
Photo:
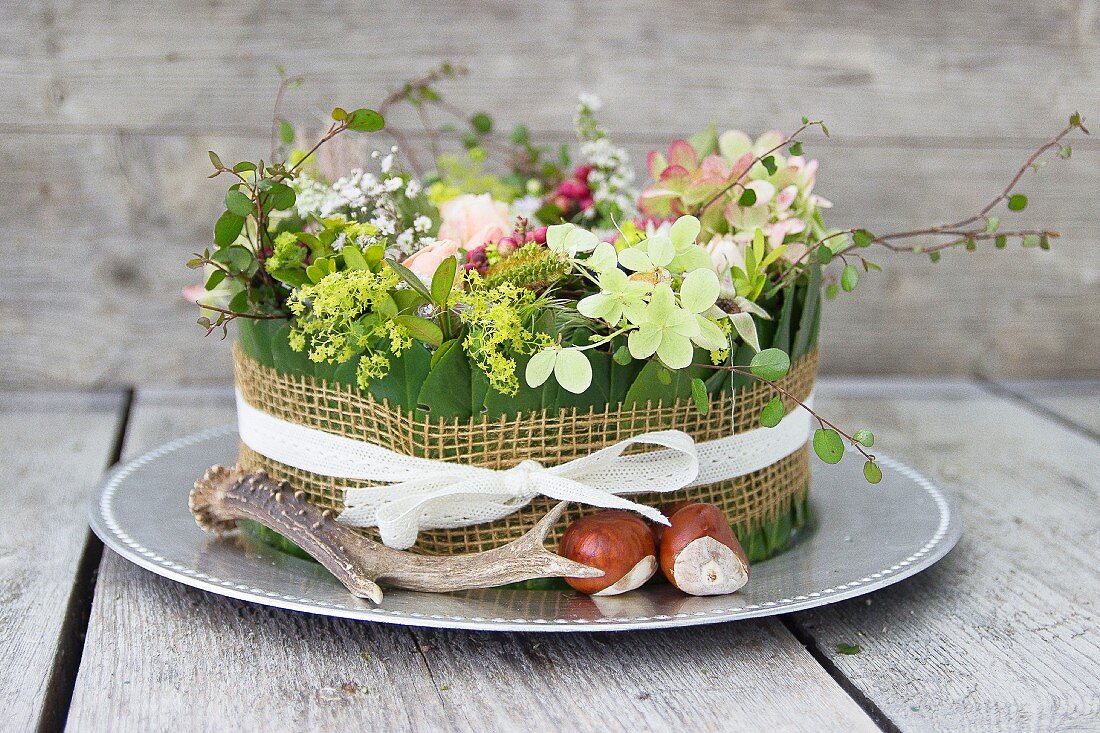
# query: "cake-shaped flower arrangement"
441,367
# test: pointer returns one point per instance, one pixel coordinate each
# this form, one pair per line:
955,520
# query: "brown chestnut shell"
699,553
617,542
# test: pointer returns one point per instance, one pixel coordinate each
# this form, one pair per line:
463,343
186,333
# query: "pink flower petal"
681,153
655,163
786,197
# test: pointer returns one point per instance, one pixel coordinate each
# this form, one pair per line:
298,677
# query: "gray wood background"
107,109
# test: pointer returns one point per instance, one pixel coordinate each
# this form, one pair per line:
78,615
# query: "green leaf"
809,319
410,278
745,326
227,228
339,114
447,390
656,384
992,224
281,197
421,329
1065,152
824,255
239,303
748,198
831,290
865,438
872,472
699,394
214,159
573,371
1031,240
828,445
770,364
622,356
539,367
235,257
862,238
934,256
769,163
772,413
520,135
848,648
1017,202
849,278
353,258
796,147
1075,119
482,123
365,120
238,203
286,132
443,281
215,279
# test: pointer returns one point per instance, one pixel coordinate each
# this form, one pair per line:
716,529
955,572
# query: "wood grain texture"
161,656
107,109
55,447
1076,402
882,68
1000,635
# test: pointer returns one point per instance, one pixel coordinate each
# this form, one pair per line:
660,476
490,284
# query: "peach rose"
426,261
473,220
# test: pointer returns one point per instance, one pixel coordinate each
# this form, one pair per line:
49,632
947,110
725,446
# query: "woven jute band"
500,443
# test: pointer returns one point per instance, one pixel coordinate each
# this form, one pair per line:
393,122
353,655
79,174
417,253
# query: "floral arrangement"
550,280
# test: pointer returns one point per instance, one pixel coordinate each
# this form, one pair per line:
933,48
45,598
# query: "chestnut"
617,542
668,510
699,554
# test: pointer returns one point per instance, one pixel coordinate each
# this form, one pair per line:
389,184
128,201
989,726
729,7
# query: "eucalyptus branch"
787,393
979,227
251,316
737,182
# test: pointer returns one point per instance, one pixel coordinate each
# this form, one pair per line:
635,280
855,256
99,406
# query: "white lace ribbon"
428,494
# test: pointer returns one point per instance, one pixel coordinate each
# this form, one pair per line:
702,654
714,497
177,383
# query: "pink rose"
474,221
426,261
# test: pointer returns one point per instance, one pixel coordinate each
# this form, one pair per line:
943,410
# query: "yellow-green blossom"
496,320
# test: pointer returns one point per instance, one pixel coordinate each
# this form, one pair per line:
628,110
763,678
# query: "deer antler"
224,495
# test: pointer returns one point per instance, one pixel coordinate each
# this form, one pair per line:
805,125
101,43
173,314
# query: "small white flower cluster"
525,206
365,196
612,176
584,119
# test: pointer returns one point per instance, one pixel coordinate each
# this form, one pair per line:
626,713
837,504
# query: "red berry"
574,189
538,235
586,203
581,172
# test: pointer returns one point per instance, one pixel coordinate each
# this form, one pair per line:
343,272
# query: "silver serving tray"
865,538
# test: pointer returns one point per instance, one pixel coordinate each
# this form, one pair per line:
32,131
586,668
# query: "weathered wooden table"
1001,635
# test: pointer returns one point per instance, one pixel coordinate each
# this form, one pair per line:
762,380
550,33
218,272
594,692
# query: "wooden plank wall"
107,109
